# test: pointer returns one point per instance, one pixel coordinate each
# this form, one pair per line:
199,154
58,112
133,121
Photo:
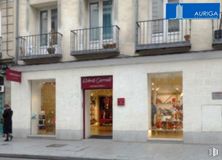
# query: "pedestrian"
7,122
2,121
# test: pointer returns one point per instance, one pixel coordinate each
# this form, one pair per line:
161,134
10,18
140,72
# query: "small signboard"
217,95
192,10
12,75
98,82
121,101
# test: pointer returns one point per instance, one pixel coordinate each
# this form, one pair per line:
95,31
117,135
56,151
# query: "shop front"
133,102
43,117
166,106
98,108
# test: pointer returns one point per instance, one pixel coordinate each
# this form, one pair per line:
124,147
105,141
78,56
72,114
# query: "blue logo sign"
192,10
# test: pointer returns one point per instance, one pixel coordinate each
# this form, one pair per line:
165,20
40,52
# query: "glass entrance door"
100,22
99,113
48,30
164,31
107,20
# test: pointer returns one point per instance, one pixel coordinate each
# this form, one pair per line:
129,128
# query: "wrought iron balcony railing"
95,40
162,32
41,45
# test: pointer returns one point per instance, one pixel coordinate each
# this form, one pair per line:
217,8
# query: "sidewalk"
105,149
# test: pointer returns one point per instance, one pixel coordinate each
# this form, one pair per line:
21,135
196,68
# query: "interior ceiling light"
157,89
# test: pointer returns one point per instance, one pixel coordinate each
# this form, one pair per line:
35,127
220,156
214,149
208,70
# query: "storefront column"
68,107
130,122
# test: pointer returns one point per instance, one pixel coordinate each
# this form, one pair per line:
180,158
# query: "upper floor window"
48,23
158,13
100,14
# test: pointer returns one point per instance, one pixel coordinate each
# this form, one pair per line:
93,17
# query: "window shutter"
157,13
157,9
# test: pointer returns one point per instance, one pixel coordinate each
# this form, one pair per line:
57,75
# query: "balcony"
217,34
42,48
95,43
161,36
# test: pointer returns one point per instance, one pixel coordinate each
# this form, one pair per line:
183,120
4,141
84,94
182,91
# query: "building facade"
107,68
7,50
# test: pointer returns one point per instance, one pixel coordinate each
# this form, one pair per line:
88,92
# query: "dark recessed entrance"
97,107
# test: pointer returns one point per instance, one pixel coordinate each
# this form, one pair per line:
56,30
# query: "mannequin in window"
107,108
154,111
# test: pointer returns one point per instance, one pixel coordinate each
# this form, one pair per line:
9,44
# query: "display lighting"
181,95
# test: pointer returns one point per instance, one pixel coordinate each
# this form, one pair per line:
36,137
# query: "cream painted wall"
7,92
7,29
87,114
200,79
69,21
41,3
126,22
130,84
68,101
21,105
125,14
36,105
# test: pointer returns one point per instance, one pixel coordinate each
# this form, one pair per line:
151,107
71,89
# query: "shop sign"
121,101
192,10
217,95
100,82
12,75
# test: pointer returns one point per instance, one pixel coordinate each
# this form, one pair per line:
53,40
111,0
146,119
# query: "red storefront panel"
98,82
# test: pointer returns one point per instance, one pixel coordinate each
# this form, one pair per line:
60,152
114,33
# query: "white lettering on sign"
206,14
89,80
97,80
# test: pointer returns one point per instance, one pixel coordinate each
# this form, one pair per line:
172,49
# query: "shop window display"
43,108
92,111
167,106
101,113
105,110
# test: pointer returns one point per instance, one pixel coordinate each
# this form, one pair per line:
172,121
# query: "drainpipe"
135,23
17,31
